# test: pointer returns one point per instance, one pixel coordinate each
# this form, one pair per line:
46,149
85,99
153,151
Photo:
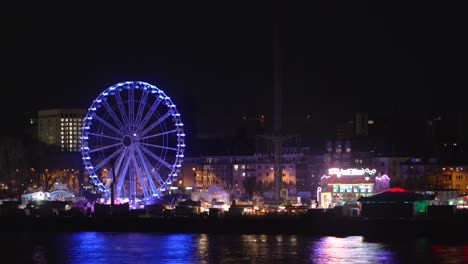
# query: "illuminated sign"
351,172
382,183
383,178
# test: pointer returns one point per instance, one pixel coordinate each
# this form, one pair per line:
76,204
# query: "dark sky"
215,58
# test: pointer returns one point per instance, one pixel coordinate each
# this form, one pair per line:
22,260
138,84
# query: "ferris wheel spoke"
113,115
117,165
159,178
108,158
160,134
155,174
104,122
105,147
103,136
148,115
122,174
154,156
161,119
131,105
120,160
157,146
140,174
145,163
123,113
141,107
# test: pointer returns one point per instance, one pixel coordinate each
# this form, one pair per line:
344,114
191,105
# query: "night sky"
215,58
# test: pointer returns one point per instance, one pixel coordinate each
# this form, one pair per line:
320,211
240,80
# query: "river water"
140,248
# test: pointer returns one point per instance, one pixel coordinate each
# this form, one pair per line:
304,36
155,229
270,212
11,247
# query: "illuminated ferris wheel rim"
131,129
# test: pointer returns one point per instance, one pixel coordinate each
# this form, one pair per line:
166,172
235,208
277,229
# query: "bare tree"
12,164
250,184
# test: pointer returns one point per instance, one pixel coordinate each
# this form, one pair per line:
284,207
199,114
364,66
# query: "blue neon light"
119,120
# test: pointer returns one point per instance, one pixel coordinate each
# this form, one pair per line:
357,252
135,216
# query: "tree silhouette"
12,164
250,184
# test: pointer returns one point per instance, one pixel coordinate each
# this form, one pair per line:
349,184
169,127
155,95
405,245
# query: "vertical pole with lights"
277,139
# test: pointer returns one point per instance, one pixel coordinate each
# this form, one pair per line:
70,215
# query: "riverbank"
453,227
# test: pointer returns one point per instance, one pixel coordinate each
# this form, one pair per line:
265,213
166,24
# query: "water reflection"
94,247
101,247
39,254
348,250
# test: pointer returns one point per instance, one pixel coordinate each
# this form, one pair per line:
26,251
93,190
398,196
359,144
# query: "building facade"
61,128
456,178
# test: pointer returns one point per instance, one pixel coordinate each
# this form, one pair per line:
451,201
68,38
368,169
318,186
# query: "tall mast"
277,103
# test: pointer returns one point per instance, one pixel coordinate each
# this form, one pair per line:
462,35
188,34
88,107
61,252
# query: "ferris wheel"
133,141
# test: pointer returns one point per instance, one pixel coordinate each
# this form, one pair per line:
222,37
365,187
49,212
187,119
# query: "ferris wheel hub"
127,141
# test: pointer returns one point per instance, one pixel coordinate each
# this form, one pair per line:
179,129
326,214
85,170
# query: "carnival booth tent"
396,202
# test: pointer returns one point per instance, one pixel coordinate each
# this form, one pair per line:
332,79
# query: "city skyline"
156,130
215,59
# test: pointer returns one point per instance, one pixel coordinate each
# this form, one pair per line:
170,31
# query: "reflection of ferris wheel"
134,129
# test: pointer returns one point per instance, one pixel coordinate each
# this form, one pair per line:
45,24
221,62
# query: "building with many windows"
61,128
455,178
230,172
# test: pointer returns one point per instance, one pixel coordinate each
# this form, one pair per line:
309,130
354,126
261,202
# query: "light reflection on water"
102,247
348,250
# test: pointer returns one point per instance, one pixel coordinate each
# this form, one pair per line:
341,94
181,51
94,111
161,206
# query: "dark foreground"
453,227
